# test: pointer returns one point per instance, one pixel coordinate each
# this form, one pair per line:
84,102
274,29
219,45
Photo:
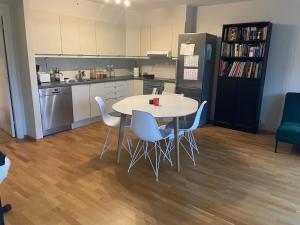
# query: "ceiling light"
118,2
127,3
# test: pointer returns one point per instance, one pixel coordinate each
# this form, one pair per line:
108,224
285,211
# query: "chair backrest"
154,91
198,116
144,125
104,115
4,169
291,112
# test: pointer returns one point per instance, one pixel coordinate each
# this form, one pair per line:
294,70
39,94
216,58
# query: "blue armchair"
289,129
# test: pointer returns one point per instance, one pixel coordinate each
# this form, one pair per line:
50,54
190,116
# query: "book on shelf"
250,33
251,70
233,34
242,50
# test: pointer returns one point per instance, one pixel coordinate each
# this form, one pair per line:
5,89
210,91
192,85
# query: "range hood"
159,54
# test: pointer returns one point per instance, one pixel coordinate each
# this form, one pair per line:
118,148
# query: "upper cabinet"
161,37
145,40
133,41
87,33
70,35
110,39
78,36
46,33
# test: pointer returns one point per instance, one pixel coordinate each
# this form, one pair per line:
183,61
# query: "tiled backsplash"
71,74
162,68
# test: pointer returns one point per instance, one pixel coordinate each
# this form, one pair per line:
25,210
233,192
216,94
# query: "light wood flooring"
238,180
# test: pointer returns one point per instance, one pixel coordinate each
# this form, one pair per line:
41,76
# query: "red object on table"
156,101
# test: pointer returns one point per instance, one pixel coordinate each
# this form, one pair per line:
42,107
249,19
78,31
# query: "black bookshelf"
242,71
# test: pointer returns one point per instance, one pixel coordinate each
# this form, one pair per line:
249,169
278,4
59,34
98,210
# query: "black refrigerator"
195,69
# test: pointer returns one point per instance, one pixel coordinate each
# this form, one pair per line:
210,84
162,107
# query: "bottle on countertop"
52,75
61,77
136,70
57,74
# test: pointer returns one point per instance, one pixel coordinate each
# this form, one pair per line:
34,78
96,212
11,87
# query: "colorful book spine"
243,50
245,34
251,70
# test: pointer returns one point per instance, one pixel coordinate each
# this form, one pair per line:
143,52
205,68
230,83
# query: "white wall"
283,73
20,14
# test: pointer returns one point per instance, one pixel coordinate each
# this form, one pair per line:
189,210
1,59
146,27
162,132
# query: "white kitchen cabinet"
124,89
70,35
110,39
46,32
87,33
96,90
81,102
133,41
170,87
145,40
161,37
129,91
138,87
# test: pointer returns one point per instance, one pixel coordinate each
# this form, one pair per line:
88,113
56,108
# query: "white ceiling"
165,3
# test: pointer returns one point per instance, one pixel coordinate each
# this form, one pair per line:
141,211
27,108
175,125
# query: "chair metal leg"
194,143
276,145
106,144
3,209
157,160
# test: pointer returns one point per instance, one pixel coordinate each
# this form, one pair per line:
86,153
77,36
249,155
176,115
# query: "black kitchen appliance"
195,69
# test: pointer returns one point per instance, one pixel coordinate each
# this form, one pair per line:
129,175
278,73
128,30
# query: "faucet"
81,75
110,69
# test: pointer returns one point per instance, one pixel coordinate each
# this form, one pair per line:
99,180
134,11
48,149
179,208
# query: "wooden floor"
238,180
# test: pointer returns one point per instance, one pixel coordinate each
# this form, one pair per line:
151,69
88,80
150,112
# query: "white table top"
169,105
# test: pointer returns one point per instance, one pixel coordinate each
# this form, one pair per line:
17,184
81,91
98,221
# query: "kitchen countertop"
117,78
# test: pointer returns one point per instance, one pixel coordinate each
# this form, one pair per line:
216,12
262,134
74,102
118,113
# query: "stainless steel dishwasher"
56,109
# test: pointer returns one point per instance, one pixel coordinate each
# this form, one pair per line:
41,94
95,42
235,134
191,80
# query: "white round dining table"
170,106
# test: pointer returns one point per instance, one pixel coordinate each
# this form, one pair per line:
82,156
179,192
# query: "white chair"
4,168
112,123
145,127
188,135
168,120
154,91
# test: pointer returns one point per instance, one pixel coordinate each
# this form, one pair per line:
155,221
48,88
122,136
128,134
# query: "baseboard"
86,122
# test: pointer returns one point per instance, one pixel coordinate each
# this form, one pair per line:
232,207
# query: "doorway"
6,111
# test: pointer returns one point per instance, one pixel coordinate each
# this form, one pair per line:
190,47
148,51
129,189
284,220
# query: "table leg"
121,136
177,143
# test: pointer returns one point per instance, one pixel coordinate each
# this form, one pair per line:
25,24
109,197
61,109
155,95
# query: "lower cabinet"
138,87
85,107
225,102
237,103
81,102
96,90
